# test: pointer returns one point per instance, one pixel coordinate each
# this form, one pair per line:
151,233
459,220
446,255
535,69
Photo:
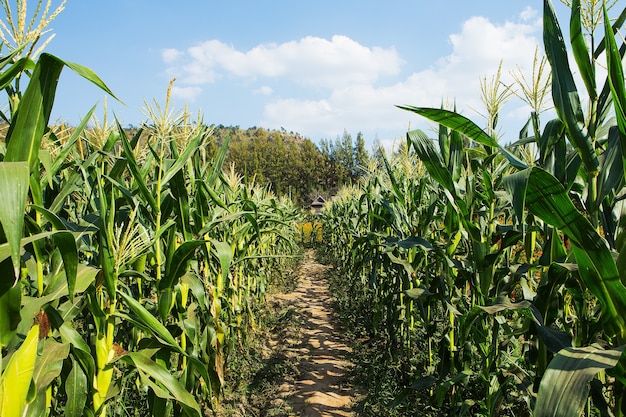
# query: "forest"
292,165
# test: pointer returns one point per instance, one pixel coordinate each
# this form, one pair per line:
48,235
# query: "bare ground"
306,367
321,388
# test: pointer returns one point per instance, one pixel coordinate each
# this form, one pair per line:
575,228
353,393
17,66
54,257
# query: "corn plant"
545,197
516,282
141,263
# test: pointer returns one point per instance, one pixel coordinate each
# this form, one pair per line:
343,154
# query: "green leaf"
69,253
75,389
163,377
89,75
515,185
616,81
150,322
178,263
564,387
138,178
547,199
432,160
85,276
581,53
456,155
48,367
10,317
417,293
225,255
49,364
410,242
69,146
17,376
184,157
66,243
31,119
564,92
5,249
18,66
464,126
14,179
611,173
555,340
218,163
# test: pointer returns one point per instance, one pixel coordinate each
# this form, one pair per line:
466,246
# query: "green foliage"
491,274
294,166
140,259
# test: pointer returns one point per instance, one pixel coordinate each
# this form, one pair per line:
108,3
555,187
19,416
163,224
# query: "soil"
306,368
322,387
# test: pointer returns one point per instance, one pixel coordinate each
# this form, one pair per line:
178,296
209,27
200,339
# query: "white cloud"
311,61
186,93
170,55
357,87
476,52
264,90
529,14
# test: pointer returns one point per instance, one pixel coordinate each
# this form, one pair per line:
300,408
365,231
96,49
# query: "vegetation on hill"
292,165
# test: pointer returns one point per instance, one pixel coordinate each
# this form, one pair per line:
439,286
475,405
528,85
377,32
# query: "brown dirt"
316,346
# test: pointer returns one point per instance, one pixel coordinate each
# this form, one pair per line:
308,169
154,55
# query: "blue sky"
317,68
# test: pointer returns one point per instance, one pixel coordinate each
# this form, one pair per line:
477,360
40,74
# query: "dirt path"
316,347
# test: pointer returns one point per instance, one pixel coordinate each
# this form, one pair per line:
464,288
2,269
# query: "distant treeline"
291,164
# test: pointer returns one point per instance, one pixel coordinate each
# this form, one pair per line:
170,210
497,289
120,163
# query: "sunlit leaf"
14,178
565,385
17,376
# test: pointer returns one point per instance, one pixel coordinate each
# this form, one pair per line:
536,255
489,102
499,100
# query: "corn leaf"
10,58
417,293
75,178
465,126
564,92
616,81
89,75
66,243
57,289
9,75
47,368
432,160
564,387
611,173
75,388
178,264
184,157
14,179
581,53
31,118
218,162
547,199
70,145
150,322
225,256
17,376
49,364
138,178
10,317
555,340
163,377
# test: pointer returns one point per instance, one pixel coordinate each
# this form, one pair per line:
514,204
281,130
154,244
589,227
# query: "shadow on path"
321,389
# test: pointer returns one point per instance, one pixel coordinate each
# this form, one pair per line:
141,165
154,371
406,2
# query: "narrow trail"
321,388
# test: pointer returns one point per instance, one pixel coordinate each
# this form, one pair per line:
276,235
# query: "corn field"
132,268
494,275
492,278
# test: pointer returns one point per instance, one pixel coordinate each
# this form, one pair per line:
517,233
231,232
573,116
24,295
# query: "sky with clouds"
316,68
